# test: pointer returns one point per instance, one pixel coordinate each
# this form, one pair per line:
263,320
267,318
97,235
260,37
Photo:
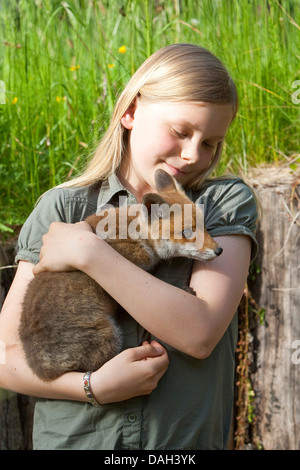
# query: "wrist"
88,245
96,388
87,387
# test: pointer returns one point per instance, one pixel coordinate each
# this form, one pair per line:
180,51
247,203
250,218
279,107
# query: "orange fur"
68,321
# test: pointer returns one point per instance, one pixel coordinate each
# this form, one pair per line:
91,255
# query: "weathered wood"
276,353
16,414
16,411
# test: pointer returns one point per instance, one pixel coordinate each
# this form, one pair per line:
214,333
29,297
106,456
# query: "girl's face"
180,138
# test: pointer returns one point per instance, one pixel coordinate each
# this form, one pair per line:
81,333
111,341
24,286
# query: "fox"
68,321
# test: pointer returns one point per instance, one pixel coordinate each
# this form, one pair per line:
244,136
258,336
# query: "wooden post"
276,342
16,411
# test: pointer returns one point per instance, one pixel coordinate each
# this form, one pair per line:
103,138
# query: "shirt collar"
110,189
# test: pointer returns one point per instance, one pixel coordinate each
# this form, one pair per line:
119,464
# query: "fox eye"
188,233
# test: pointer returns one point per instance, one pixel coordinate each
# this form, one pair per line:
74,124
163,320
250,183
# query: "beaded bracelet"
87,389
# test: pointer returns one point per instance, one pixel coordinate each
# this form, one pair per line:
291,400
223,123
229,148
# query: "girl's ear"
128,117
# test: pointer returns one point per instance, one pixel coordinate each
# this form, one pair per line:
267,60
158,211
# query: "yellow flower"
14,100
122,49
110,66
73,68
60,98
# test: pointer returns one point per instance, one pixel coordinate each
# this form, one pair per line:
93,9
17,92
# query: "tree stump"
16,411
276,341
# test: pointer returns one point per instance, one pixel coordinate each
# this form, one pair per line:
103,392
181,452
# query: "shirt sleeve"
231,208
50,208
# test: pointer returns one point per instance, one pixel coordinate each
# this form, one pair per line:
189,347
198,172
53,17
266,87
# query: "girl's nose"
190,154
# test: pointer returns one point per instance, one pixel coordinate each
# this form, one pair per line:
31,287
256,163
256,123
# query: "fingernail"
159,350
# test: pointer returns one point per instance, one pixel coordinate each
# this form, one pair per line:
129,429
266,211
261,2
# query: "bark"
275,344
16,411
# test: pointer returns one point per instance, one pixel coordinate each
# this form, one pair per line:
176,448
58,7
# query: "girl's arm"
192,324
125,376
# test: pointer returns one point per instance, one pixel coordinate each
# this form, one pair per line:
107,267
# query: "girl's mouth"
173,170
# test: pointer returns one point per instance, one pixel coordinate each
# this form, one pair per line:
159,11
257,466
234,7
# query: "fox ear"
157,201
163,180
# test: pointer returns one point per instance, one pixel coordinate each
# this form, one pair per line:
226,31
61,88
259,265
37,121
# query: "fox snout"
210,253
218,251
210,249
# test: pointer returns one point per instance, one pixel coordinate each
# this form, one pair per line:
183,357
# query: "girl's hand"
131,373
63,245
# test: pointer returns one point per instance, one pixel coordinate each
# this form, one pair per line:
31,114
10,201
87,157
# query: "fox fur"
68,321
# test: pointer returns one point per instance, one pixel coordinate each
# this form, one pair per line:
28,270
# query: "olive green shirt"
191,407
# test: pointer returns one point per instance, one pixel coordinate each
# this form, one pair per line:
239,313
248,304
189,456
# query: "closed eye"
180,135
208,145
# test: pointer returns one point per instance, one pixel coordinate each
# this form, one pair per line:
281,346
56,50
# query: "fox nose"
218,251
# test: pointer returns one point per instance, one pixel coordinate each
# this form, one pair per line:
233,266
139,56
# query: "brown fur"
68,321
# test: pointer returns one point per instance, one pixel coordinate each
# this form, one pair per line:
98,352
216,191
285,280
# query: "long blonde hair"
178,72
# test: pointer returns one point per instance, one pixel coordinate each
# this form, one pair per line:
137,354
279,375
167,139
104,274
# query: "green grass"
62,70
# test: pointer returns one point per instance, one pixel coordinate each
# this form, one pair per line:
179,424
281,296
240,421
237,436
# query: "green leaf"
4,228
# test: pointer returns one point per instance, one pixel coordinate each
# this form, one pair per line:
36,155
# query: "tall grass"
63,66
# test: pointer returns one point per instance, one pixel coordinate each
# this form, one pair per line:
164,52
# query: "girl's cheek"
167,143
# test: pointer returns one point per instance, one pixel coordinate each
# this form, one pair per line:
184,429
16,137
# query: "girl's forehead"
185,107
188,113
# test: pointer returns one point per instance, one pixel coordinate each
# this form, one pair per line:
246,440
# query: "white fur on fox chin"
167,249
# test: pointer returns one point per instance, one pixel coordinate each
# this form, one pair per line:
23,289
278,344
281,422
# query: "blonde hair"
178,72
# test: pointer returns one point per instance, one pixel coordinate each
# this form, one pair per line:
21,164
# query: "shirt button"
132,417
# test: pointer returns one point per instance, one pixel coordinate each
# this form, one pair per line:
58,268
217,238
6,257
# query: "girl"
172,386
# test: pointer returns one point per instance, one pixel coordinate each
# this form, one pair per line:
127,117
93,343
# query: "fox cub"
68,321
